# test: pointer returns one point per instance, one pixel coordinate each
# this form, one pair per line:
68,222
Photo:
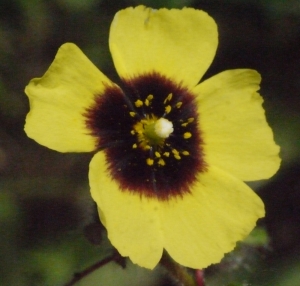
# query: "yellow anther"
168,98
184,124
132,132
185,153
150,97
191,120
175,152
157,154
176,156
178,104
147,147
161,162
187,135
134,146
168,108
167,154
132,114
149,161
138,103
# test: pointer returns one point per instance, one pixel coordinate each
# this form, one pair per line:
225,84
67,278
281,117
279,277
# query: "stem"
78,276
178,272
199,275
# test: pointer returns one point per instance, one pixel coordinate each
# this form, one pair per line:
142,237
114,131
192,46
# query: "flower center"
150,134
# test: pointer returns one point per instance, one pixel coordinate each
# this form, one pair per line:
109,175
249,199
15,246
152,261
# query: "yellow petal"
201,227
236,135
179,44
59,99
132,222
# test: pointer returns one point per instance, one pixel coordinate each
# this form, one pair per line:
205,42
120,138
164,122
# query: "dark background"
45,204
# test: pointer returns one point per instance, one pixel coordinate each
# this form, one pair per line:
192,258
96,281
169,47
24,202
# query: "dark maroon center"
161,170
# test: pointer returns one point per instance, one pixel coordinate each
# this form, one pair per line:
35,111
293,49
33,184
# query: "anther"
149,161
138,103
178,104
157,154
187,135
168,98
176,156
168,109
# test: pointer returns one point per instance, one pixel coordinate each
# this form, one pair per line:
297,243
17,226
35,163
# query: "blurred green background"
47,217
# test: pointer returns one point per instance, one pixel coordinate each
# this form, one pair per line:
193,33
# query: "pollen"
134,146
185,153
132,114
187,135
161,162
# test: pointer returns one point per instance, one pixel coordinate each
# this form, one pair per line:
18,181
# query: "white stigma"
163,128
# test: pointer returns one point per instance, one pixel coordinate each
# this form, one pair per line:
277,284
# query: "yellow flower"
174,153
